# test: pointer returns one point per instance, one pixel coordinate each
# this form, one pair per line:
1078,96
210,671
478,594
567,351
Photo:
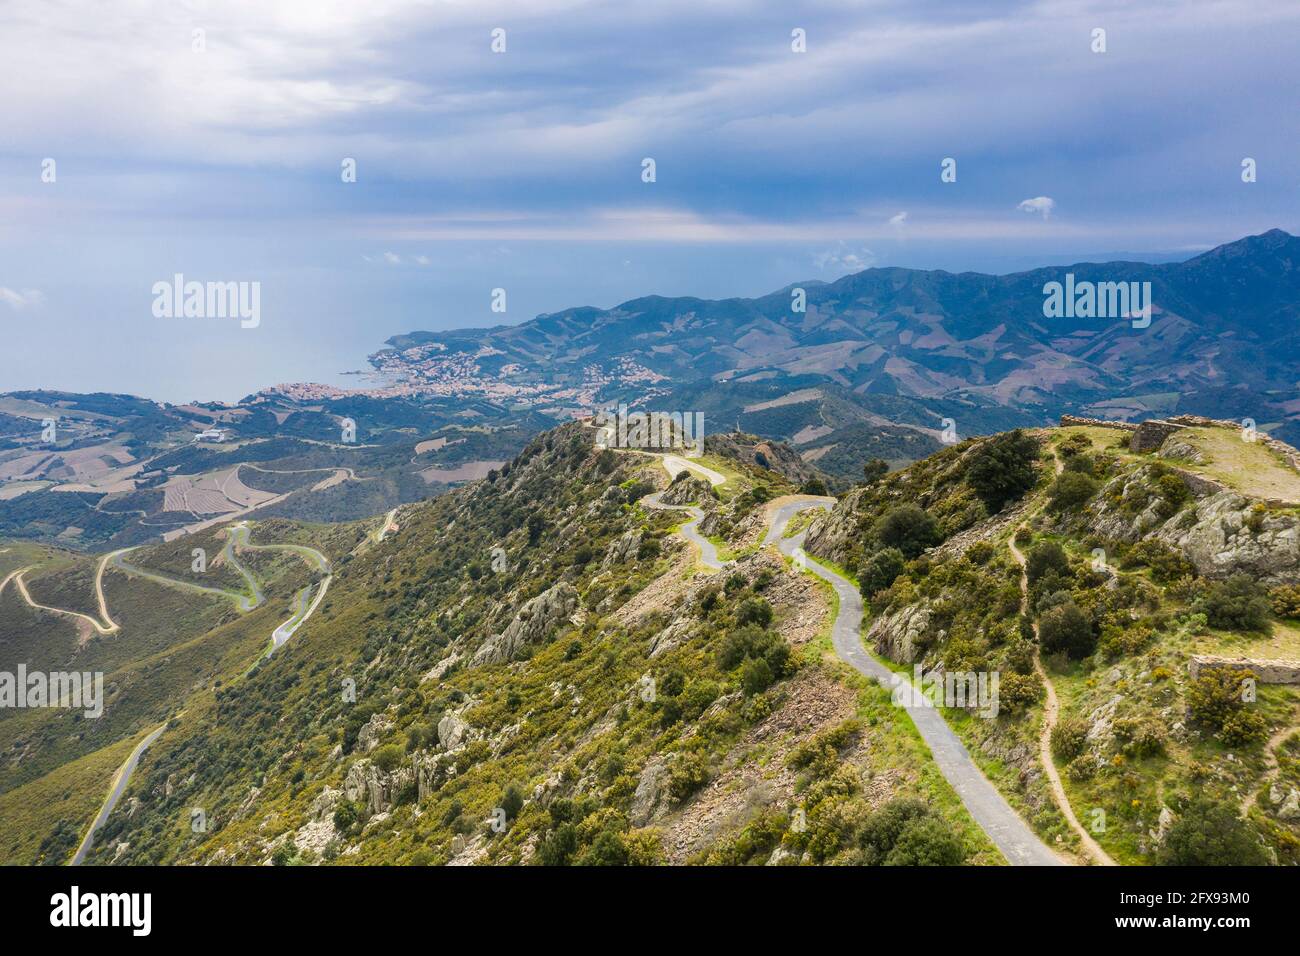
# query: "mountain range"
890,353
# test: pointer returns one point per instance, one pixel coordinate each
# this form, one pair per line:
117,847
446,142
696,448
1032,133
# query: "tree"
512,801
1071,490
907,528
1002,468
874,470
1065,628
813,486
1044,557
1210,834
880,570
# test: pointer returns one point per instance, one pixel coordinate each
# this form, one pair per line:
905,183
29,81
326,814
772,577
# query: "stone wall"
1079,421
1265,671
1151,434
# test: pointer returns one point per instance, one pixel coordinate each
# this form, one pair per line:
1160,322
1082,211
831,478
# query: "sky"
504,145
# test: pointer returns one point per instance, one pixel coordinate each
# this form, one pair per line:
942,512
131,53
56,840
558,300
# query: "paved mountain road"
990,810
118,787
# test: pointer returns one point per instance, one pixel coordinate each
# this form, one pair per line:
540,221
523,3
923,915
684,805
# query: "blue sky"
523,169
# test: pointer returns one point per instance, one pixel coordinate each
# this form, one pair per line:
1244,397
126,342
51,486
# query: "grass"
58,806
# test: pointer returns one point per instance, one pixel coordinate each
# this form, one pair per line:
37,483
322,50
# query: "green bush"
1070,491
880,570
1001,469
1065,629
927,842
907,528
1207,833
1069,738
1285,600
756,676
387,757
1237,604
1044,557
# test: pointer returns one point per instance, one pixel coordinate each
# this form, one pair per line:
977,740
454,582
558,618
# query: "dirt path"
1270,758
1051,713
100,627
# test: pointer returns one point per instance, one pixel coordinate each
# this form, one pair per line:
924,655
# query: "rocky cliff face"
832,532
1221,532
533,624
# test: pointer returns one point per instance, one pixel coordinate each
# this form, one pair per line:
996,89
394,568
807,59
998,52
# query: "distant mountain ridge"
912,347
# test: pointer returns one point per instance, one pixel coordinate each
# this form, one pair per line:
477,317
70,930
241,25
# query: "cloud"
392,258
1042,205
21,299
843,259
898,219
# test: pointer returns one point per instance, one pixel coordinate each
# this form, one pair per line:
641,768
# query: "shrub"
880,570
687,775
926,842
1018,692
874,470
1002,468
756,676
345,815
1119,642
754,611
1216,695
1070,491
752,642
1285,600
1237,604
1210,834
980,552
1044,557
882,829
1069,738
1140,737
907,528
512,801
813,486
1173,494
387,757
1166,564
1243,728
1066,629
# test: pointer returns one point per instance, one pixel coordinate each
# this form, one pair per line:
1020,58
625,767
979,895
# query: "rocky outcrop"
1221,534
832,532
651,796
621,550
902,635
532,625
372,732
688,491
1265,671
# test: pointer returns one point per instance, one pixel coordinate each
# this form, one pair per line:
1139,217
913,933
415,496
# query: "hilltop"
1162,564
544,666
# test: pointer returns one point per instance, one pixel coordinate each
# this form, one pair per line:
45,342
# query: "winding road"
303,610
990,810
115,791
